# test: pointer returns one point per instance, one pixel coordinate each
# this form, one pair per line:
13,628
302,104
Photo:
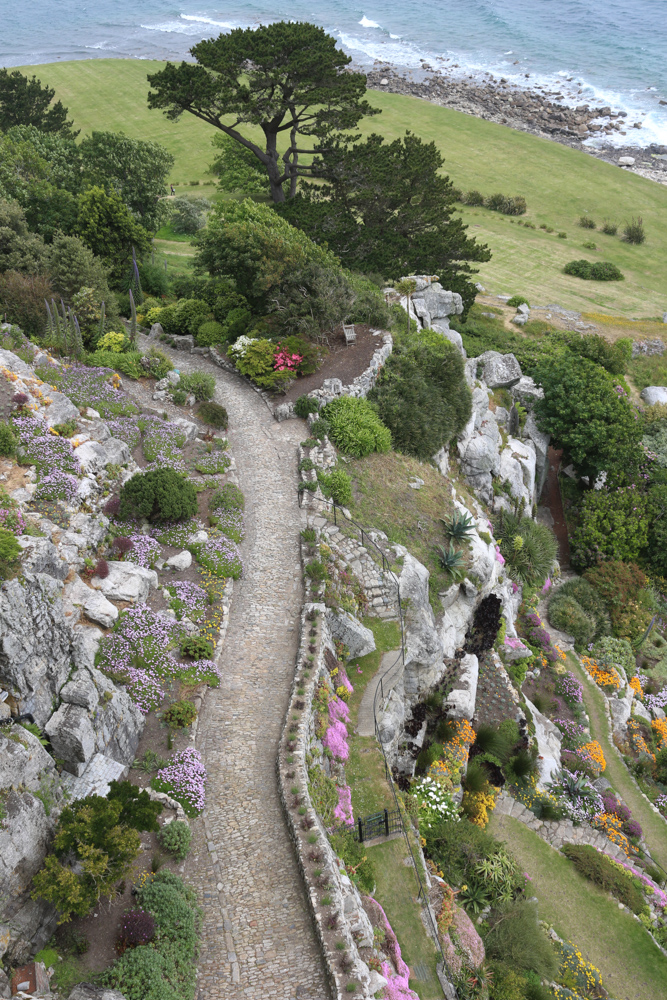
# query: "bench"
350,334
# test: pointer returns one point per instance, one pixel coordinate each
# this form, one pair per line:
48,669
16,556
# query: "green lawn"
632,967
559,184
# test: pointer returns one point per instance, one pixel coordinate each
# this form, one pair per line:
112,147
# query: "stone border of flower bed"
304,825
360,386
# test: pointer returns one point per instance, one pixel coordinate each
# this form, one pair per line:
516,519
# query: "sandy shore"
536,111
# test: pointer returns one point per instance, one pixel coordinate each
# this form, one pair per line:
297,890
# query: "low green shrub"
209,333
601,870
586,222
589,599
129,363
589,245
175,837
517,300
160,495
200,384
597,271
320,428
197,647
356,428
568,616
633,231
10,551
609,228
8,439
474,198
305,405
157,363
613,524
358,863
515,937
214,415
337,486
421,395
227,497
181,714
324,794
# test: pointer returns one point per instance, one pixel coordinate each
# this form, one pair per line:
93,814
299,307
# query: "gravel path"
257,940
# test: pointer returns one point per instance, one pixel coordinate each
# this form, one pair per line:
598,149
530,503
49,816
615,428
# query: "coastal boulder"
654,394
499,371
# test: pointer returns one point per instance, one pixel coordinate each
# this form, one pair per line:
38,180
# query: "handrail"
394,672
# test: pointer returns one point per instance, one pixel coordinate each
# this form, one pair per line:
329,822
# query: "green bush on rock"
160,495
356,428
422,395
175,837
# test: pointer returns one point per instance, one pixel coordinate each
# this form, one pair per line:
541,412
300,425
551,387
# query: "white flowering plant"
239,347
434,803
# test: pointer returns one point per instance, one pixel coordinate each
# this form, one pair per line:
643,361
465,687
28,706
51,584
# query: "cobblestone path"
258,940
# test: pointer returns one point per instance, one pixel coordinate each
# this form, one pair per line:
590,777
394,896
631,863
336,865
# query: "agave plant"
460,526
451,560
474,897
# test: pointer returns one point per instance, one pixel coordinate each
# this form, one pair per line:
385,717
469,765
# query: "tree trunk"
273,168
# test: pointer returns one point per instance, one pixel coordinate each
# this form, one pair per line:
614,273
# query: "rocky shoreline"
536,111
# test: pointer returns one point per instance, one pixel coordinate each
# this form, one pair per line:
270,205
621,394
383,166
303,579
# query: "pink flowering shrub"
12,520
397,972
284,360
184,779
499,556
343,811
338,711
335,740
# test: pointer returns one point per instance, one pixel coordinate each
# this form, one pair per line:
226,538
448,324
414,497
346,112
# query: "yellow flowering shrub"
477,806
636,686
636,740
604,677
610,825
592,752
660,726
576,974
454,756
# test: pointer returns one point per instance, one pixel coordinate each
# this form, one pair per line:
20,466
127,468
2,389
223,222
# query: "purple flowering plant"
46,451
184,779
570,688
220,555
98,388
231,523
12,520
57,485
189,600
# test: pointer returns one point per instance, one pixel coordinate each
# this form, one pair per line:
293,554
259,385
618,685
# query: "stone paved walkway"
258,940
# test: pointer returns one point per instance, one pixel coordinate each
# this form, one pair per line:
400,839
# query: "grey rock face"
500,371
85,991
182,560
346,628
461,700
654,394
186,343
72,736
95,605
424,651
41,556
35,643
22,758
126,582
61,409
526,392
116,452
190,428
81,691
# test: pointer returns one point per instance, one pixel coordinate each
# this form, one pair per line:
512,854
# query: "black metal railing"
387,682
379,824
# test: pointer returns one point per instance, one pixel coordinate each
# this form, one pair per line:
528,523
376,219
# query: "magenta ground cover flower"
12,520
189,599
221,556
145,550
46,451
98,388
338,710
335,740
57,486
184,778
571,688
343,811
137,653
397,976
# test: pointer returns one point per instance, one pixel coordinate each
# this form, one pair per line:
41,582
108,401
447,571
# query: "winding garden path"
257,941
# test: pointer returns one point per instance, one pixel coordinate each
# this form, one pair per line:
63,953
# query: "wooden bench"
350,334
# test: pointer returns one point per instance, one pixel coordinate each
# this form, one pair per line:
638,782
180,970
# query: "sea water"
594,52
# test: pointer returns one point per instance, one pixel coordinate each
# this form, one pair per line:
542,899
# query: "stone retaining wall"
557,832
354,927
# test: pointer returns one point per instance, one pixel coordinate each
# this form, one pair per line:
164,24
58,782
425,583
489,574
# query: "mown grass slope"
559,184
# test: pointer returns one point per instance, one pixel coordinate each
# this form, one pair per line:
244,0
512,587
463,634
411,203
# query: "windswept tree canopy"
388,207
24,101
288,79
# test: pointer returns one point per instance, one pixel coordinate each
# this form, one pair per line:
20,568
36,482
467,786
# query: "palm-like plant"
474,897
460,526
451,560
